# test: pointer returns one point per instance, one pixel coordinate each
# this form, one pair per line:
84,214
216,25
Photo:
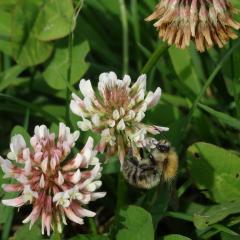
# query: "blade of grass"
30,106
206,85
179,215
187,217
232,122
136,30
212,232
236,80
222,228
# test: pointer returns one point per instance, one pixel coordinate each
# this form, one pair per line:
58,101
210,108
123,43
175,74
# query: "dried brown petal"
207,22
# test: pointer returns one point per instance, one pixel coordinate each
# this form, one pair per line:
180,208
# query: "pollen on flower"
55,187
207,22
116,111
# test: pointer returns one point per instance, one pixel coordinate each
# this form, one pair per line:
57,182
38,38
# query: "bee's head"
163,146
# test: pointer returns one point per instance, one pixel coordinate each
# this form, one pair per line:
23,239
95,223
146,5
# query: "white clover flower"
116,111
55,188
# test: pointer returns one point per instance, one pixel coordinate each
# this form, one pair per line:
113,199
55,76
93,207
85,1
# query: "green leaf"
137,223
55,20
222,117
20,130
5,31
10,77
7,3
89,237
27,49
56,110
175,237
25,233
56,72
182,63
215,214
156,201
212,167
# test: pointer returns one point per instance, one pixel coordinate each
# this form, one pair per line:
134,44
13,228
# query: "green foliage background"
46,47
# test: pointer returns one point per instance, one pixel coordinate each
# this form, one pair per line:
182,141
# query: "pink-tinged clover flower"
55,186
116,112
207,22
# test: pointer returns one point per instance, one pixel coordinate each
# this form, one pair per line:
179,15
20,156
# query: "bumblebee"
151,166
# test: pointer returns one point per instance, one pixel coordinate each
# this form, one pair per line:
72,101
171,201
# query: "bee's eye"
163,147
141,153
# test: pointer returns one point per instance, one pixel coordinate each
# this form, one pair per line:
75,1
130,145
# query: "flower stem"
9,213
70,49
92,226
124,21
122,192
57,235
154,57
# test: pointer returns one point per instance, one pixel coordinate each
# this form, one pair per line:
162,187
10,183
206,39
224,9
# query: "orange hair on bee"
170,166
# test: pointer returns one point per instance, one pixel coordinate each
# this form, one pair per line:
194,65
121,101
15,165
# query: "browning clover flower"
54,187
116,111
208,22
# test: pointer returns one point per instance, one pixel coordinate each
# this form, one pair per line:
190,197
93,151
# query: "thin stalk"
124,21
70,44
136,30
154,58
184,188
